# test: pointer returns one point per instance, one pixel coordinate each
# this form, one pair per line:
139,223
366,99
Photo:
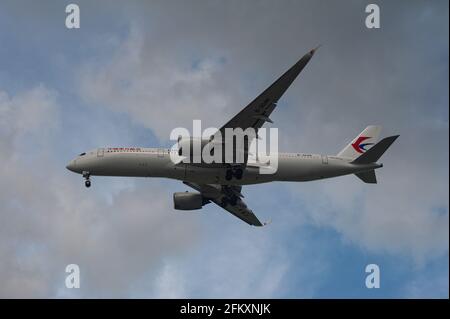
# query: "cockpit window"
82,154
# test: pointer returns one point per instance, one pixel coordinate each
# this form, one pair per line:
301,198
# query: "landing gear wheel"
238,173
87,181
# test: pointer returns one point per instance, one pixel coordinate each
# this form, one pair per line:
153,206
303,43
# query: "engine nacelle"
188,201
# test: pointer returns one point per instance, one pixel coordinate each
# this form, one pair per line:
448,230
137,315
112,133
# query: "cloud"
394,218
132,244
238,264
147,86
25,114
48,221
399,215
181,61
428,284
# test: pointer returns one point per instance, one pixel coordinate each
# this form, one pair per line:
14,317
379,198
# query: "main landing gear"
234,172
87,181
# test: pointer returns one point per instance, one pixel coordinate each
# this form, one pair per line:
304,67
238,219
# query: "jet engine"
188,201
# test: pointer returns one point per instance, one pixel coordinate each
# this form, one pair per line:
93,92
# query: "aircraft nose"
71,166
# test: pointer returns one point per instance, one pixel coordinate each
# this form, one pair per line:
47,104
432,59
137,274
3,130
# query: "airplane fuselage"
156,162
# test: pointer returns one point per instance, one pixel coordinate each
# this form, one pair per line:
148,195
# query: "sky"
134,71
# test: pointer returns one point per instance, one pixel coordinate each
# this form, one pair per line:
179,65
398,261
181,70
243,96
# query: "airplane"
222,183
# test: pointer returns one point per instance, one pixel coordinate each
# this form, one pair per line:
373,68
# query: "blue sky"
133,72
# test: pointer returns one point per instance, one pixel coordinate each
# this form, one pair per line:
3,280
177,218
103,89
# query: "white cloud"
148,86
48,220
427,286
397,216
170,282
242,263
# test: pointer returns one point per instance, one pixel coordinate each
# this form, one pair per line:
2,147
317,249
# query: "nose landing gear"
87,181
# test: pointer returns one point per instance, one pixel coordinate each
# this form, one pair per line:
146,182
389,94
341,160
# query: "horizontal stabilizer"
374,153
368,177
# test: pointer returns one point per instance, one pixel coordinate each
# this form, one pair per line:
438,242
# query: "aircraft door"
100,152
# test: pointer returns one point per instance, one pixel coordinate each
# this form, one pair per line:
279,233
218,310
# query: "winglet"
315,49
267,222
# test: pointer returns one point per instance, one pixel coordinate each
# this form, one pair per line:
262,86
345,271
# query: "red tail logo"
360,148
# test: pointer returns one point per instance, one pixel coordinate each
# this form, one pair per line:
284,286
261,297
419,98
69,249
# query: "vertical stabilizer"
361,143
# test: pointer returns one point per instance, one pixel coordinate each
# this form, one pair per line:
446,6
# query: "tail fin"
372,155
361,143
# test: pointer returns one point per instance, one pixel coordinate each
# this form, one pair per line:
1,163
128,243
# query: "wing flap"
230,199
239,209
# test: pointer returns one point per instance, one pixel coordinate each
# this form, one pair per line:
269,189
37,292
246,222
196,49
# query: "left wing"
230,199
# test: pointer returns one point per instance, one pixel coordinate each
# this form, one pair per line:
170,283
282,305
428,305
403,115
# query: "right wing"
255,114
230,199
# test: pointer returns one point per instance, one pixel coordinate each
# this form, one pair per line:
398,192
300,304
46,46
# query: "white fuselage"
156,162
